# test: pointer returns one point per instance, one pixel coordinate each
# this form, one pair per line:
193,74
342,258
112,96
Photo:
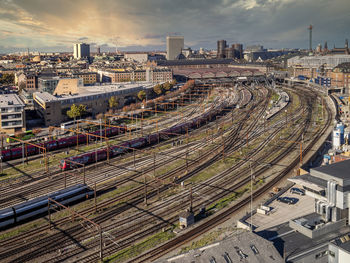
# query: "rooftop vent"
255,250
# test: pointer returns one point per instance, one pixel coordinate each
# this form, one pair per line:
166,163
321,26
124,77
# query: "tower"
221,48
310,37
325,46
174,46
81,50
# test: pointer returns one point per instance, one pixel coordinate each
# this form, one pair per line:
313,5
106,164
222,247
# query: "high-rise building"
81,50
224,51
174,46
221,49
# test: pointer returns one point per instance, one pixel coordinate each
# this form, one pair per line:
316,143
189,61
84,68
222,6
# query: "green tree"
7,79
167,86
158,89
113,102
141,95
76,111
174,82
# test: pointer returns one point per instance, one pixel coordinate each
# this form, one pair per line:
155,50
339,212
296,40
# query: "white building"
174,46
317,61
81,50
138,57
12,116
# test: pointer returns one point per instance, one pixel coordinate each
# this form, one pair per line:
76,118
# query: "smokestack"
310,38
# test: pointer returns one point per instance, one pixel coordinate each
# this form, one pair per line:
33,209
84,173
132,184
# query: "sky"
54,25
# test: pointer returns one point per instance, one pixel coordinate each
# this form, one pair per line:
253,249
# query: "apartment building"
12,116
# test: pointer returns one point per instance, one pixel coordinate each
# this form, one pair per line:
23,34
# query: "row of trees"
78,111
7,79
160,89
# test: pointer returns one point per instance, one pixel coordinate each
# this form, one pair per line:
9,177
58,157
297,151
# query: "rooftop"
338,171
291,243
95,90
10,100
193,62
246,247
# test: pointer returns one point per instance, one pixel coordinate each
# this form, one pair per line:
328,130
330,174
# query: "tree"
7,79
158,89
167,86
76,111
21,86
113,102
174,82
141,95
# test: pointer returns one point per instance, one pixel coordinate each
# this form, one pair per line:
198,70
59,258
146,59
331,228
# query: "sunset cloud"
145,23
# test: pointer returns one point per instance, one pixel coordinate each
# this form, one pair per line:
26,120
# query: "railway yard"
202,151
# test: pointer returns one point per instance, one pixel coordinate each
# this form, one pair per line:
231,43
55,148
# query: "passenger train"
70,141
38,206
101,154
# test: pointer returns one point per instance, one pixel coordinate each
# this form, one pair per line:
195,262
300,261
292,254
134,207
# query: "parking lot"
282,212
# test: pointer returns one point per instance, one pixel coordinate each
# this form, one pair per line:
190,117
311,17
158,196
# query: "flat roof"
10,100
245,246
86,91
309,181
291,243
339,170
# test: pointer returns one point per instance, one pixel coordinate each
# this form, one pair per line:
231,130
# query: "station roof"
246,247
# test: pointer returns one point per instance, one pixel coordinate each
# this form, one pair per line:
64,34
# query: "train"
52,145
27,210
138,143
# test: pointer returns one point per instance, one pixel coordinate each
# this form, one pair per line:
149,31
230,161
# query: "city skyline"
136,25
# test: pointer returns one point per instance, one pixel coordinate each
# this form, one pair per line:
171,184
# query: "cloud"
144,24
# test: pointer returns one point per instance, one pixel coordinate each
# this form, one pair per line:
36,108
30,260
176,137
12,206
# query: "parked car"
288,200
297,191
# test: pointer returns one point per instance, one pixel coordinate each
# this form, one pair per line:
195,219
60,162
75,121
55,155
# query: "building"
321,236
314,66
224,51
88,77
53,109
221,49
340,76
244,247
81,50
68,86
12,115
47,84
186,64
174,46
153,75
140,57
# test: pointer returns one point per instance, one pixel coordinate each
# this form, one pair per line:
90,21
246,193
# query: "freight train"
66,142
38,206
101,154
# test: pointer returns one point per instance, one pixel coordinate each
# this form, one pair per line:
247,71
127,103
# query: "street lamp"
251,196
